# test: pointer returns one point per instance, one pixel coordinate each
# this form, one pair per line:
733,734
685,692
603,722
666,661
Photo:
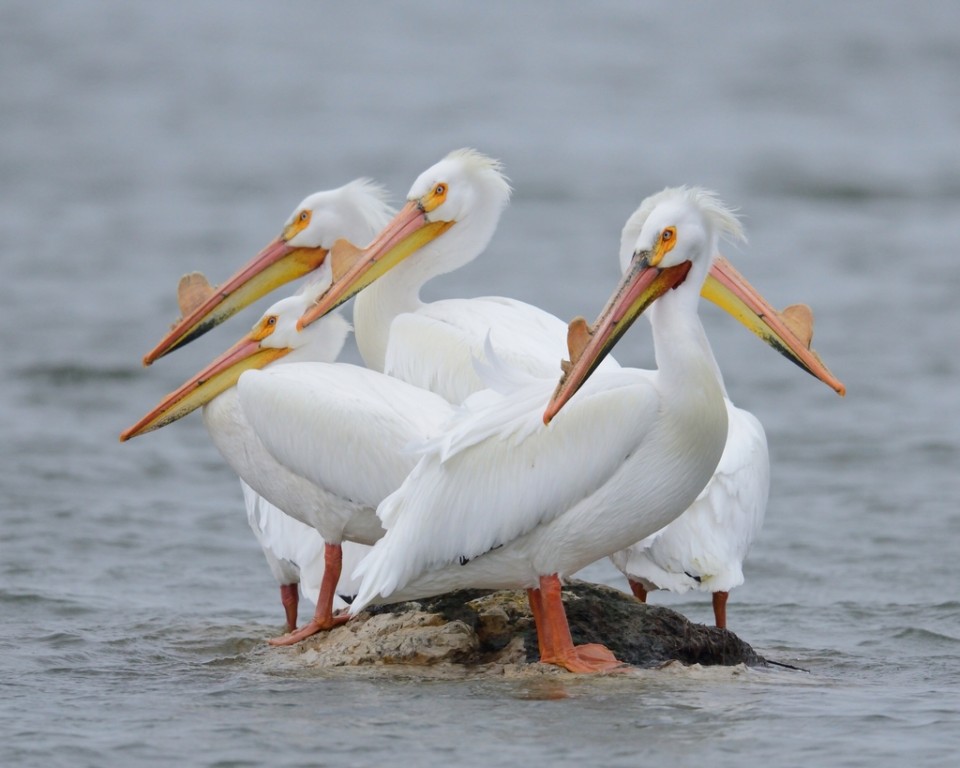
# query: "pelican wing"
435,347
345,428
711,538
742,479
497,473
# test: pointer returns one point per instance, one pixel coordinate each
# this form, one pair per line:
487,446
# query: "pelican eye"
264,328
297,224
433,199
663,246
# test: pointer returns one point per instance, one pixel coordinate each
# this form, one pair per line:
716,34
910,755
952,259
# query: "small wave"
70,374
61,606
926,636
781,181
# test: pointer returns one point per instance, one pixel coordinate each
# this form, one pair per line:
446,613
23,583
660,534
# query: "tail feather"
395,559
377,578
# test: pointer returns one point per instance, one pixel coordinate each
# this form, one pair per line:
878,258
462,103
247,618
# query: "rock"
487,632
410,637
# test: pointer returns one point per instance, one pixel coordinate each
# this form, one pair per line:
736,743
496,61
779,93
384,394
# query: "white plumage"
342,426
345,431
519,500
705,547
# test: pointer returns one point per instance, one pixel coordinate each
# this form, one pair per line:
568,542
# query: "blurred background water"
144,140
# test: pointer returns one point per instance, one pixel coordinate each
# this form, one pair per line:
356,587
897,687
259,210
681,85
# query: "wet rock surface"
479,631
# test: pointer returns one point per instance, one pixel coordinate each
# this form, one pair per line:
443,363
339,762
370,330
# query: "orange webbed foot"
592,658
313,627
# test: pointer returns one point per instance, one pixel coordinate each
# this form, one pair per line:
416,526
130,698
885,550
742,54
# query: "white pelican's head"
694,219
671,241
465,193
463,187
274,336
353,212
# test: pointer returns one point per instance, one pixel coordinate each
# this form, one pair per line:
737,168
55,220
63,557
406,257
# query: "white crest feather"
720,217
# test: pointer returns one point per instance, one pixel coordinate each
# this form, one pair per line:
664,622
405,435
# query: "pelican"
513,496
356,210
705,547
350,427
353,212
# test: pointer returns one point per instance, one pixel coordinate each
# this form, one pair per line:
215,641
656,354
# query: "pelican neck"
375,309
685,361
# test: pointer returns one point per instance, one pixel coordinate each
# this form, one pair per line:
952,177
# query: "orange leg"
639,591
323,619
290,597
536,607
553,631
720,608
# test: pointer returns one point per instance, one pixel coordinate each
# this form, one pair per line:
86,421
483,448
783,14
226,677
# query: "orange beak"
216,378
640,287
354,270
277,264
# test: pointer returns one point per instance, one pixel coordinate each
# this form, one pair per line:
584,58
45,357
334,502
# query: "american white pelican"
349,428
502,499
273,340
353,212
356,210
705,547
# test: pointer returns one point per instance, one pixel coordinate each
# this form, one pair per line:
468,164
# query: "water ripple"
71,374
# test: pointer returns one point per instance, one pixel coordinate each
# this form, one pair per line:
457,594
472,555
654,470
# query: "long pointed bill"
355,270
640,287
276,265
724,286
217,377
730,291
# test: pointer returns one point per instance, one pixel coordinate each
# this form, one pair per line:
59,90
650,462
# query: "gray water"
144,140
